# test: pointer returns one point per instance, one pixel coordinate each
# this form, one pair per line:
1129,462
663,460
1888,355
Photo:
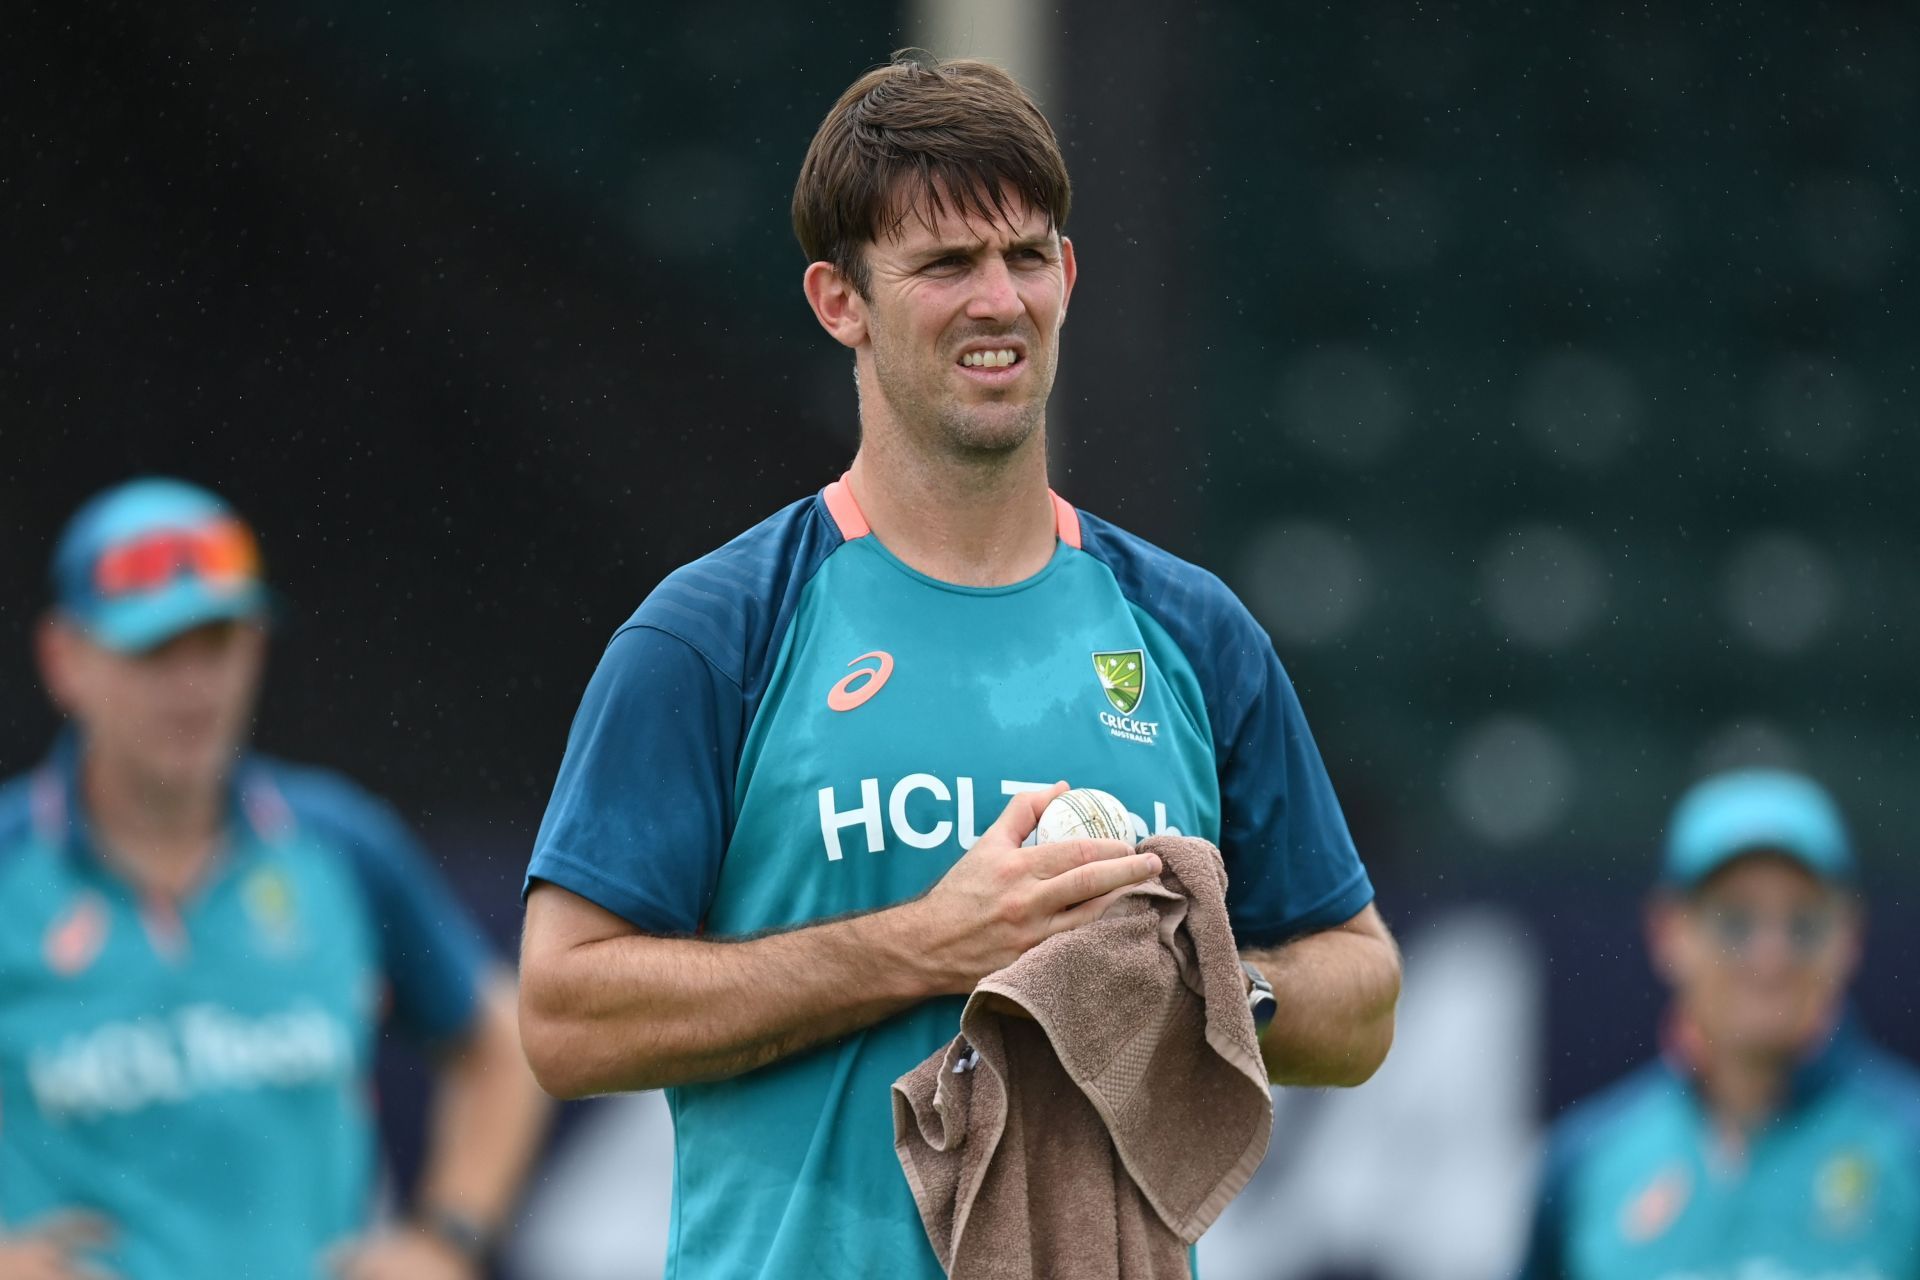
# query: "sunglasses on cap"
220,553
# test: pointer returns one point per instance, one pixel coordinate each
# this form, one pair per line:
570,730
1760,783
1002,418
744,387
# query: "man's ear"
1665,921
1071,270
54,652
1853,918
836,304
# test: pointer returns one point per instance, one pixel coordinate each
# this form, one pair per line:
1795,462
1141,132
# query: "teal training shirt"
799,726
198,1073
1640,1184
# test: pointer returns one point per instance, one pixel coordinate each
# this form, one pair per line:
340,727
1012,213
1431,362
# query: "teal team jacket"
1640,1184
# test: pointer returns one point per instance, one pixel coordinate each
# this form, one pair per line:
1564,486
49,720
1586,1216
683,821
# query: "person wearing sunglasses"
1772,1138
198,946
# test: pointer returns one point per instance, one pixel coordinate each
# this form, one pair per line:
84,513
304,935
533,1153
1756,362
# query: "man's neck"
160,836
986,523
1745,1090
1742,1087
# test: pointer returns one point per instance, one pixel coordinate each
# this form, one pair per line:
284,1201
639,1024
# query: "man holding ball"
771,869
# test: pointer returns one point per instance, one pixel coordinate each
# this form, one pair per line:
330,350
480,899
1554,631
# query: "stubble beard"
938,423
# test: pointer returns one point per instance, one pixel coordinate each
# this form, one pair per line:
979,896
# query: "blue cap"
1755,811
151,558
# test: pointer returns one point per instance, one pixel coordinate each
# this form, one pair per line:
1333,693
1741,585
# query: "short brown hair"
964,127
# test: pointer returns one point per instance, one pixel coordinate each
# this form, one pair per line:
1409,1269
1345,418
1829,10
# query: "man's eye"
1031,255
951,262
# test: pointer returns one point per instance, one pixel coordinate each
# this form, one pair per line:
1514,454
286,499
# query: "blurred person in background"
1772,1139
199,944
770,871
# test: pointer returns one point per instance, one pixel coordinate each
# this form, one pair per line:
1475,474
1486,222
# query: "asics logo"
74,940
853,690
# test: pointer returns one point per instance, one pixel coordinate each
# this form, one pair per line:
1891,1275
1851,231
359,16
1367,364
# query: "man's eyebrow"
1042,241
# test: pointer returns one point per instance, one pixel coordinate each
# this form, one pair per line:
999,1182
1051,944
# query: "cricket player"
786,837
1772,1140
198,946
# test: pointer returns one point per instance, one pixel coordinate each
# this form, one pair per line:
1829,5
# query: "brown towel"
1105,1098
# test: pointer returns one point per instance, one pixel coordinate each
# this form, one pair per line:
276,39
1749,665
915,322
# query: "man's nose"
1771,951
994,296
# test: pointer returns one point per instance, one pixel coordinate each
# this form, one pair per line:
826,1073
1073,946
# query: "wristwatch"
1260,1001
458,1231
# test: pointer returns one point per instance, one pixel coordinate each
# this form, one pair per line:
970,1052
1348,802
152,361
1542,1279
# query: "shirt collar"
257,812
1819,1067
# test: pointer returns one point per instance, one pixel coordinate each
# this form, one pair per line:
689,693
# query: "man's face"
175,715
1760,954
947,298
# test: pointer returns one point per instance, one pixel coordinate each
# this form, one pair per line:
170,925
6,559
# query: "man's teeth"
989,359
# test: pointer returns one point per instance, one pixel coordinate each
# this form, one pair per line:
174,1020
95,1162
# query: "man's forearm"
642,1012
1334,996
605,1008
488,1116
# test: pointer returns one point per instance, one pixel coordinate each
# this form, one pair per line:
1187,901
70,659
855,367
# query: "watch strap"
1260,1000
459,1231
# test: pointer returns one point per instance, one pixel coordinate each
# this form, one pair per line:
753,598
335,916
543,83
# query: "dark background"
1545,380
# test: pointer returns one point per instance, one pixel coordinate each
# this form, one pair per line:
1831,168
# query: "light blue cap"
151,558
1754,811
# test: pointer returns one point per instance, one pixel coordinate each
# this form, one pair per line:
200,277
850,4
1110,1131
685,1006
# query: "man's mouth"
998,358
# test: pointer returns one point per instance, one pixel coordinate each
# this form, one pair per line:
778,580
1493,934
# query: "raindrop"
1510,778
1579,407
1307,582
1617,222
1748,743
688,202
1852,230
1815,410
1543,586
1387,216
1344,403
1780,592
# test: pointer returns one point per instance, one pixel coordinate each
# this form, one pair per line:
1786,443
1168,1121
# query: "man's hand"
488,1115
1000,899
46,1251
401,1253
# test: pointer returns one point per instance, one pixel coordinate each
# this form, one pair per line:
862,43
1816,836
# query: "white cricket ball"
1084,813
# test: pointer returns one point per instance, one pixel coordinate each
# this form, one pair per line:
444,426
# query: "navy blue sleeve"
1571,1145
1291,865
432,953
1290,858
15,811
1545,1258
640,812
643,808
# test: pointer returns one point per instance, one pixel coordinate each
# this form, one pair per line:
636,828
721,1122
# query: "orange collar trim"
852,522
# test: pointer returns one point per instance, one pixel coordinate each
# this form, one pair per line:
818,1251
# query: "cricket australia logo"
1123,678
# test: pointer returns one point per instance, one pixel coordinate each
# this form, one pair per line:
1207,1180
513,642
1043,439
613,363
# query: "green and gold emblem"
1123,677
1844,1190
269,899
